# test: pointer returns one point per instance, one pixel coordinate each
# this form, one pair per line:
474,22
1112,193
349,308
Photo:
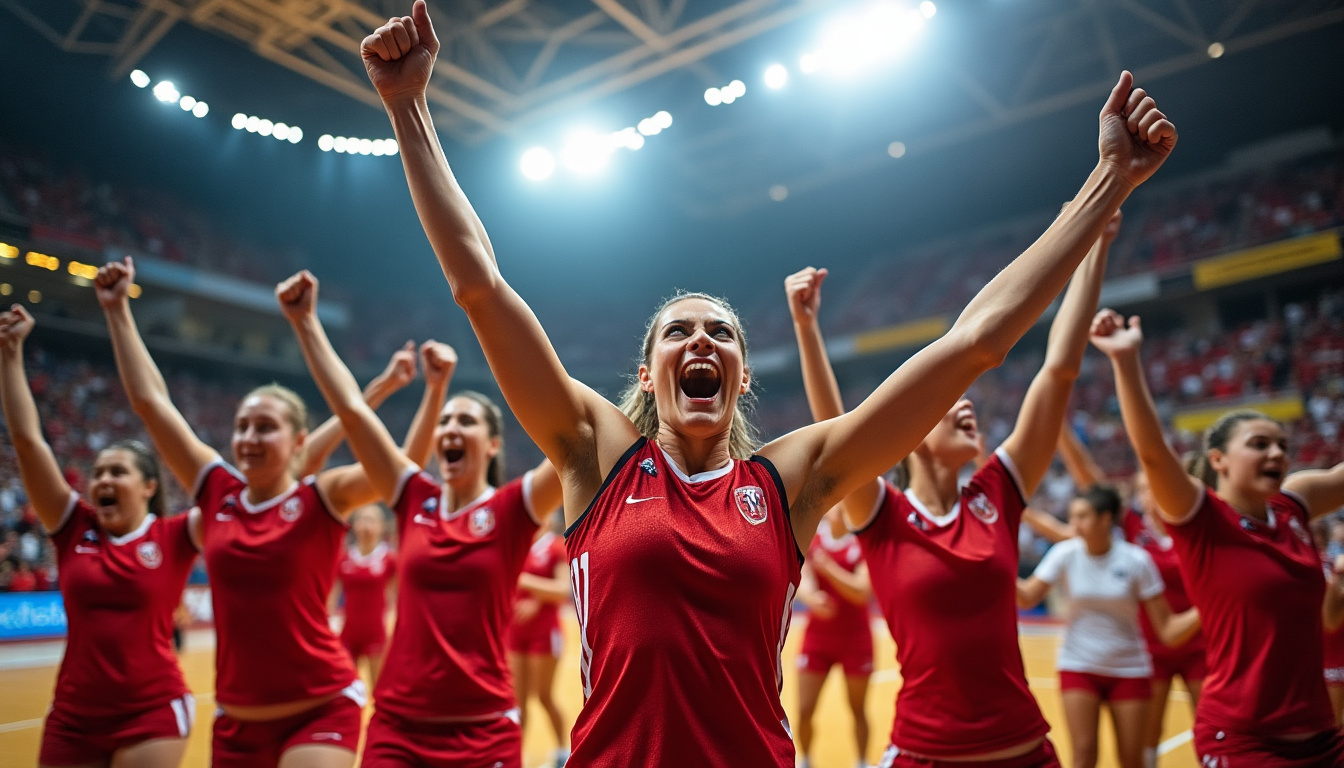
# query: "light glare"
239,121
587,153
187,103
295,134
713,97
253,124
139,78
201,109
776,76
325,142
166,92
537,164
896,149
265,127
928,9
663,119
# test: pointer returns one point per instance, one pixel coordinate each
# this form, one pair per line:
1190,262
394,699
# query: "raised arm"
379,456
438,361
1046,525
574,426
803,289
1321,489
1031,444
823,463
322,441
41,475
184,453
1077,459
1175,491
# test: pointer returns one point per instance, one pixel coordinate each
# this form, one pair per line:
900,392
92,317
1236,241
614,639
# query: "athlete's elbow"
982,343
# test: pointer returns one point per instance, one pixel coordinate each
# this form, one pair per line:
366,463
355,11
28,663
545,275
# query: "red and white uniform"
1259,589
364,582
684,588
947,586
847,637
1334,643
446,660
119,682
1188,659
271,569
540,635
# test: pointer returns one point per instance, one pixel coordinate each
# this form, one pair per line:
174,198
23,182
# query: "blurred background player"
365,578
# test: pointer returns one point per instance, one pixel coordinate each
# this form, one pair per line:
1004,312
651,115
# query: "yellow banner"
903,335
1286,409
1266,260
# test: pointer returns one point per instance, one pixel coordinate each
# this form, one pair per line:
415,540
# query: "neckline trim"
699,477
137,533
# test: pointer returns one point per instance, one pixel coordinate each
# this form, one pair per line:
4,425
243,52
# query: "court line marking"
1178,740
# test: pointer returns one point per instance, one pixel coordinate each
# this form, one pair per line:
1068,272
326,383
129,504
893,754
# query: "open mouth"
1273,474
966,423
700,381
106,500
453,455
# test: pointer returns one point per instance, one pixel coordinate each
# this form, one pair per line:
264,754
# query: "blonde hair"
297,409
642,408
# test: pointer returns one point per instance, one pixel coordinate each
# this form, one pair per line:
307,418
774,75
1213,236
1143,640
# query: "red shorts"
69,739
1042,756
360,644
545,639
1190,665
396,742
1223,749
1105,687
261,743
822,650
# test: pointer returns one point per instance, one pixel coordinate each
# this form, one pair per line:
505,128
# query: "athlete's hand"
399,56
804,291
15,325
113,282
438,361
1113,337
400,369
297,296
526,608
821,605
1135,137
1112,229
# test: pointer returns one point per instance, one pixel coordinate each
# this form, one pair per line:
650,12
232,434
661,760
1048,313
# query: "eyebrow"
716,321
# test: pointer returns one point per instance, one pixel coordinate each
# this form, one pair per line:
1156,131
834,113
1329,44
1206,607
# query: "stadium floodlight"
871,35
928,9
586,153
809,62
648,127
166,92
325,142
365,147
776,76
187,103
537,164
253,124
239,121
139,78
280,131
265,127
201,109
1216,50
295,134
339,143
896,149
737,88
663,119
713,97
635,142
392,147
779,193
378,148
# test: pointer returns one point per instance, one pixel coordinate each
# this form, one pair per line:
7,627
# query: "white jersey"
1104,592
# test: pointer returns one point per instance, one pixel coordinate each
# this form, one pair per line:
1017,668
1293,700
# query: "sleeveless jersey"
1334,641
120,593
546,553
1163,551
850,620
684,589
458,575
364,580
947,587
271,569
1259,589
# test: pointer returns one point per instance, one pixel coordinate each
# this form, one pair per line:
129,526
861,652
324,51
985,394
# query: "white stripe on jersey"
783,634
578,574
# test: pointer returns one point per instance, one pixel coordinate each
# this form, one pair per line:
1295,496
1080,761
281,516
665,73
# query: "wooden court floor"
25,695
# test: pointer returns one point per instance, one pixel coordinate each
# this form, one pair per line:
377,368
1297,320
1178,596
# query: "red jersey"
947,587
120,593
684,588
364,580
1334,643
850,619
271,569
546,554
1163,551
458,575
1259,589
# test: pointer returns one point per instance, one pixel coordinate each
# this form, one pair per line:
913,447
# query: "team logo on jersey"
984,509
88,543
291,509
751,503
430,504
482,521
231,500
1301,532
648,466
916,521
149,554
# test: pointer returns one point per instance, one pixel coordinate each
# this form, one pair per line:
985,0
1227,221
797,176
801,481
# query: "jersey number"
578,577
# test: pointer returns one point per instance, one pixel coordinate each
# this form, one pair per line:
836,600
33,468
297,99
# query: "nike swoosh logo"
632,500
421,519
329,736
83,550
223,518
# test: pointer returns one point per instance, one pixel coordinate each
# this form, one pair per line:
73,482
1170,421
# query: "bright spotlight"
281,131
239,121
295,134
1216,50
253,124
166,92
325,142
648,127
872,35
139,78
538,164
635,142
391,145
928,9
365,146
738,88
728,96
265,127
776,76
586,153
779,193
809,63
339,143
377,147
663,119
713,97
187,103
896,149
201,109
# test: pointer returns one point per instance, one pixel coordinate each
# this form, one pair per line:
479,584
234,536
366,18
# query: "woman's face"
368,525
1089,524
119,491
696,368
955,439
265,443
465,445
1255,461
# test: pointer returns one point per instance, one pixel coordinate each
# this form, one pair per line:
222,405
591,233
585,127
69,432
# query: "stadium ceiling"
509,65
